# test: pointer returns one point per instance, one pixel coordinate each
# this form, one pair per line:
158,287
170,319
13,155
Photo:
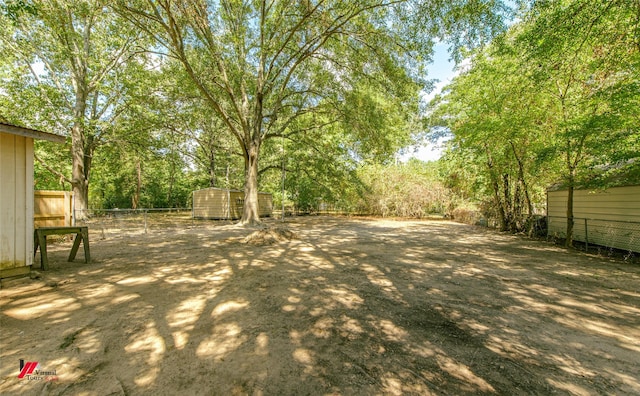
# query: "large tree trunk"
78,176
571,182
525,189
79,180
81,161
251,214
172,182
506,202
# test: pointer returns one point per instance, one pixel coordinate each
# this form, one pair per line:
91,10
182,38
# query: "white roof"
30,133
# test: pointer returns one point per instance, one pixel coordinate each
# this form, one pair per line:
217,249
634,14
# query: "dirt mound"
269,236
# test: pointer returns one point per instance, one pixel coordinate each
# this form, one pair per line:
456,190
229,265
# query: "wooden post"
228,200
67,209
41,240
83,236
586,235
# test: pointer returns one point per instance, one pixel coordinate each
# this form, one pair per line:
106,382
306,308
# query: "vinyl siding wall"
217,203
16,204
608,218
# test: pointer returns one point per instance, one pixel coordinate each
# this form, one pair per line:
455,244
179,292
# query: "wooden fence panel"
53,208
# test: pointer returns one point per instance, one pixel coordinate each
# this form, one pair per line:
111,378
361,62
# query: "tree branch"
62,177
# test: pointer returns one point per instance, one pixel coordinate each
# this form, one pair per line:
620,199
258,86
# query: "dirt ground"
347,306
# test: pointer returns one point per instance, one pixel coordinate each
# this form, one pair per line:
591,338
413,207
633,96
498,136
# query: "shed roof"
226,189
30,133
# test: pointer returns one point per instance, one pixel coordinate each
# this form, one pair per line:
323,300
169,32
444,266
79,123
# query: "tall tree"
493,112
584,54
74,51
183,114
260,65
551,99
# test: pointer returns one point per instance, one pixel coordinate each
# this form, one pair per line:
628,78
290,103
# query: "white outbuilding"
608,217
219,203
16,197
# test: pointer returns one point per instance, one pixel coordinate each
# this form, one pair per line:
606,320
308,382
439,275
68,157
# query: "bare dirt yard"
346,306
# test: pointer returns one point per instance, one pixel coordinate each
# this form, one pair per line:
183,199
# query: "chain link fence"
110,222
617,234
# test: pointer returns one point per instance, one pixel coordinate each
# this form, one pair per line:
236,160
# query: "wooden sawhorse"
40,239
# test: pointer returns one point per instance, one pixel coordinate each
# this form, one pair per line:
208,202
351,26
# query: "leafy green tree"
145,161
261,65
196,132
74,52
550,100
316,164
493,112
584,56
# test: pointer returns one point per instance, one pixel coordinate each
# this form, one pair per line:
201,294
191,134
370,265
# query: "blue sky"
441,69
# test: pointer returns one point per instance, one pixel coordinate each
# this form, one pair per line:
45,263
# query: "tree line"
215,91
160,97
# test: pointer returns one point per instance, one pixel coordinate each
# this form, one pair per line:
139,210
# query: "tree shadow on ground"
349,307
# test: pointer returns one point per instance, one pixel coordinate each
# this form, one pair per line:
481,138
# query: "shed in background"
608,218
16,197
223,204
